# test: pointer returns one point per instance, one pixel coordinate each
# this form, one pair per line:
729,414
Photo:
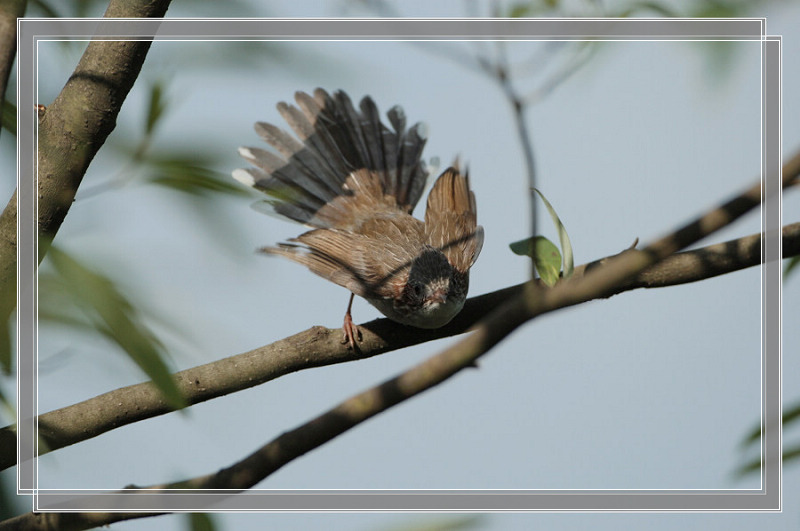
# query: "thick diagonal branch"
76,124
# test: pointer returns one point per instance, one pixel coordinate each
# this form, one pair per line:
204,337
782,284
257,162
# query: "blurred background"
652,389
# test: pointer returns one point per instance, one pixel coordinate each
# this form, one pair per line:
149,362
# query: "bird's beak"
439,296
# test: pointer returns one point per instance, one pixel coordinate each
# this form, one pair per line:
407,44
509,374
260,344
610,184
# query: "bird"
354,182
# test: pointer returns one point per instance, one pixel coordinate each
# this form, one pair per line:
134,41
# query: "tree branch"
320,346
9,11
75,126
530,301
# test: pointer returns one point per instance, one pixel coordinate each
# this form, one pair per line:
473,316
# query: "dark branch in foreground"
320,346
522,305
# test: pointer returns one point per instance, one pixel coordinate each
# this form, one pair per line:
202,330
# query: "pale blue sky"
650,389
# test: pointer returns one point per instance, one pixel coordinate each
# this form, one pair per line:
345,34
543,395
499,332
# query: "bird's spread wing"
451,220
334,140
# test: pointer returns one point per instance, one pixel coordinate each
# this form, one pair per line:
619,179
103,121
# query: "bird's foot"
351,333
350,329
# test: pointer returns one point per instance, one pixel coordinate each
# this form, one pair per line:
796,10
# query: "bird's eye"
417,290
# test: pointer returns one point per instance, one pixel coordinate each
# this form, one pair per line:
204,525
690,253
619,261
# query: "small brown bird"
356,183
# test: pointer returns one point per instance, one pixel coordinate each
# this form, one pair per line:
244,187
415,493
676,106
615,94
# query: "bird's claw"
351,333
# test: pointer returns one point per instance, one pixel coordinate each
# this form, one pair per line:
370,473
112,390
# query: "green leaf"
7,348
791,264
755,465
9,119
658,7
185,175
789,416
155,107
201,522
113,315
520,10
719,9
455,523
531,8
563,237
547,260
8,408
45,9
545,256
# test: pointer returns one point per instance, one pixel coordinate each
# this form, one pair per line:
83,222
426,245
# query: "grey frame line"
767,498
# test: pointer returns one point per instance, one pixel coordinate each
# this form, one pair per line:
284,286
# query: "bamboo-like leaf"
563,237
155,107
791,265
6,348
755,465
657,7
790,415
520,10
531,8
117,319
717,9
8,408
457,523
44,8
185,175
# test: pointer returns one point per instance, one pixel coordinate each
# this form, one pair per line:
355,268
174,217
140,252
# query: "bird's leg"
351,331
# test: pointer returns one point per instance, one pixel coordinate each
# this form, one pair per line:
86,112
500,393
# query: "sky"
647,390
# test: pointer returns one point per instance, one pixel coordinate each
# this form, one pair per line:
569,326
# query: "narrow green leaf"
5,347
563,237
9,119
45,9
791,264
531,8
115,317
201,522
8,408
755,465
789,416
545,257
748,468
657,7
791,454
715,9
455,523
186,176
520,10
155,107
